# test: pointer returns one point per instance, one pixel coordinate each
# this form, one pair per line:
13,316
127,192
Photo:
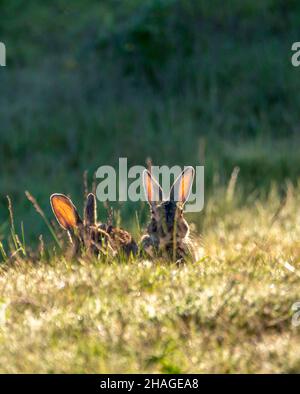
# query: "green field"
184,83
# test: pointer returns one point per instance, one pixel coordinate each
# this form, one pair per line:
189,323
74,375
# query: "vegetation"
183,82
229,312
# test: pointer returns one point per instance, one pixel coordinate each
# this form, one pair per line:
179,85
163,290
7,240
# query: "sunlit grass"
229,312
185,83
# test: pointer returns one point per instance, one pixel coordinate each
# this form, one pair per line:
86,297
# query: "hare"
168,232
89,235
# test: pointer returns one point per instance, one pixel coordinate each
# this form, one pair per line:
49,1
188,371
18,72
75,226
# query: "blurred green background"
183,82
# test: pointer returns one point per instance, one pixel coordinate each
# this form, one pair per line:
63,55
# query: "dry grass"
229,312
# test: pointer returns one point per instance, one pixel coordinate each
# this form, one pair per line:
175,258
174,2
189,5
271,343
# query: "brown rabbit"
168,231
89,235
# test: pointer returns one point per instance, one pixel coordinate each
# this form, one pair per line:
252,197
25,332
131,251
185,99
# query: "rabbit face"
168,230
168,223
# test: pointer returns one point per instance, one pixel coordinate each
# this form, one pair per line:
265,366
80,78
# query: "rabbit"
168,232
95,238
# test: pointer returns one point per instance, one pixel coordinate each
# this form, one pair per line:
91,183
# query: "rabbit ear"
90,213
65,211
153,191
182,187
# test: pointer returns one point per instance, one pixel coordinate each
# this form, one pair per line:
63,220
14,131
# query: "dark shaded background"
180,81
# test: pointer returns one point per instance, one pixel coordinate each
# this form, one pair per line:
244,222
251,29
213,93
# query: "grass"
121,89
230,312
185,83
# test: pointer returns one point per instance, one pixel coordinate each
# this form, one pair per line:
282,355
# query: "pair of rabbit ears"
69,219
180,190
67,215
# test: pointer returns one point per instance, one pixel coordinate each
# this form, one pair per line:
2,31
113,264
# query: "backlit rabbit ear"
182,187
90,213
153,191
65,211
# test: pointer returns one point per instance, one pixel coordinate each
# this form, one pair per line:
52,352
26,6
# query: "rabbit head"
84,234
87,234
168,230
